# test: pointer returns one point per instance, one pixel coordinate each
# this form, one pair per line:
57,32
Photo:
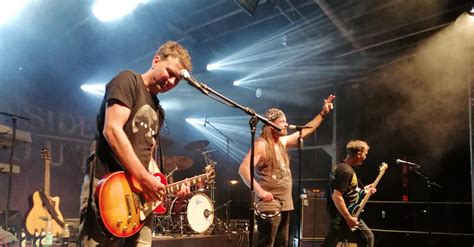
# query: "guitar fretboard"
172,188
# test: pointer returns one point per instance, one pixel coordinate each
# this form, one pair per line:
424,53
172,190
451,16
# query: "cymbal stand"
181,227
212,183
161,224
226,206
221,226
14,120
228,139
171,173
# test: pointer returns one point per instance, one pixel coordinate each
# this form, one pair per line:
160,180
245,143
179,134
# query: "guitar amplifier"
314,218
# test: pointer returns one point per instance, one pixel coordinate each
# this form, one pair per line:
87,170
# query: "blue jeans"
339,231
273,231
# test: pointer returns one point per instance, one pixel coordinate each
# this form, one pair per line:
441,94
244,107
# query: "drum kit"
192,214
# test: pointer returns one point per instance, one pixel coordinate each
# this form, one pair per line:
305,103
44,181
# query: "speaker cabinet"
314,219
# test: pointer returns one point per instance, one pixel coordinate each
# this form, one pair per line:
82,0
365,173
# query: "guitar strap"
162,169
91,165
50,208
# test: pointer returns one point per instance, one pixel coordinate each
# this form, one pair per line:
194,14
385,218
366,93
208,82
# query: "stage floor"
227,239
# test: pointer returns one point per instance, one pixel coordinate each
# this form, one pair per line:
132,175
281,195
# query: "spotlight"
9,9
109,10
237,82
212,66
283,40
233,182
471,12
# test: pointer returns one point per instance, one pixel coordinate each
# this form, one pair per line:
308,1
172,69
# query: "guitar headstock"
383,167
45,154
210,171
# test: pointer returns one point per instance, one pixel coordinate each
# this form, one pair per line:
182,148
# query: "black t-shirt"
141,128
343,179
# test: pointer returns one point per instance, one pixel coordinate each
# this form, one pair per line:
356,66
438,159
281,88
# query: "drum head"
200,213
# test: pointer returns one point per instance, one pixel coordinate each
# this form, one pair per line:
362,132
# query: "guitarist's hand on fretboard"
370,189
185,189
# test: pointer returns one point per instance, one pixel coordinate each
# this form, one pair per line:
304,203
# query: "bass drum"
198,211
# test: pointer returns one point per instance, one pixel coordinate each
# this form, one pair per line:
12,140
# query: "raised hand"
328,105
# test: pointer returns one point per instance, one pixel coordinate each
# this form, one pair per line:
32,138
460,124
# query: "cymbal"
179,162
196,145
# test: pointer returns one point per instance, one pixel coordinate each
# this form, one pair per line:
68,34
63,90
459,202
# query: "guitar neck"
367,196
47,177
174,187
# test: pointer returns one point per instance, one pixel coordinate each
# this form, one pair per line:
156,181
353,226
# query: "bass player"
345,191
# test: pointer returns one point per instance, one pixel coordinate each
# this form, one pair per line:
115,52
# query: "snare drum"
198,209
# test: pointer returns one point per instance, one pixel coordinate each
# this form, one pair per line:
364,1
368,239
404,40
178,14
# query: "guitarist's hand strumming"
352,222
152,187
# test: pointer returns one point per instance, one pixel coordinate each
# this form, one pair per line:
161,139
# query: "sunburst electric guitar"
356,208
43,207
122,206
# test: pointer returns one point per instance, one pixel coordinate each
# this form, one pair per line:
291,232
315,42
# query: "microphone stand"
429,184
10,172
300,149
253,125
226,137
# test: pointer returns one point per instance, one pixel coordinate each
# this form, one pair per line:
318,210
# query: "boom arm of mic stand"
207,90
253,123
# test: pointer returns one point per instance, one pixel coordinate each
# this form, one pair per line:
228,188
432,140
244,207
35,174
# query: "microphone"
192,82
205,121
297,127
410,164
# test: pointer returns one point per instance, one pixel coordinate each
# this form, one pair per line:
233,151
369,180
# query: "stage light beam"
97,89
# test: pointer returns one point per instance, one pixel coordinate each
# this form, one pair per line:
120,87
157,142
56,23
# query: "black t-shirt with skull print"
142,127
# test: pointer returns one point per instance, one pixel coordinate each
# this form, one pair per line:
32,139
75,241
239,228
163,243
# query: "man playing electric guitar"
345,193
128,123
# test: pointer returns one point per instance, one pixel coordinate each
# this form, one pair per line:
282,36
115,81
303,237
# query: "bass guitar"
122,205
356,208
43,207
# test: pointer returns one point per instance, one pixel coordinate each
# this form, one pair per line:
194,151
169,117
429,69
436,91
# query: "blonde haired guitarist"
346,192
